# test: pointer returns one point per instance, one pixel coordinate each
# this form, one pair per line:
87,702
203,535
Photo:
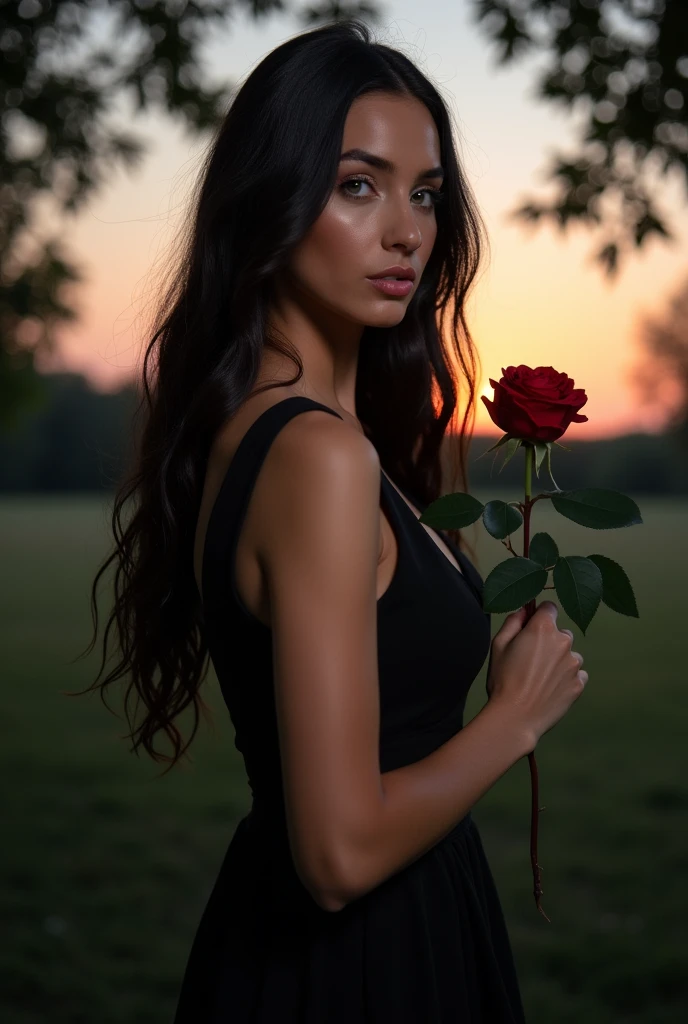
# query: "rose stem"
532,763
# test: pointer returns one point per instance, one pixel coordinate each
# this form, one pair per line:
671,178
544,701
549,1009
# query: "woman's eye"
433,195
355,181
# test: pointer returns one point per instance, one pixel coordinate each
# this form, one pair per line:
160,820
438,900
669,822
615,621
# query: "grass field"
106,868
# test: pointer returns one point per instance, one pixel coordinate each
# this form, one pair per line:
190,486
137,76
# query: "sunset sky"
539,299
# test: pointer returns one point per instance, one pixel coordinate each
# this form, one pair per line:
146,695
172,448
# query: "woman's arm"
350,827
423,801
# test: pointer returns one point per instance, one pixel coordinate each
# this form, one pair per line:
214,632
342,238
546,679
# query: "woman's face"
376,217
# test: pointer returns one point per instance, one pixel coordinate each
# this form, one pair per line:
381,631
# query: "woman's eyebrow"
386,165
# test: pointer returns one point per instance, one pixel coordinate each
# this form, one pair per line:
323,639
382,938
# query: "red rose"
535,405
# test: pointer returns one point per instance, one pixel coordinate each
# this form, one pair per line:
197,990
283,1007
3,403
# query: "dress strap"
232,500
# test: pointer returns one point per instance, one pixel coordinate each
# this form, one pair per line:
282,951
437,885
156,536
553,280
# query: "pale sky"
538,300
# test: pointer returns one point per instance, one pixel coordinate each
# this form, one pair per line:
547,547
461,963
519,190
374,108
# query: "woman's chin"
389,317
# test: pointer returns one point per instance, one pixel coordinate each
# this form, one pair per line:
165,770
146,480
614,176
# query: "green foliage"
512,446
578,583
617,592
597,508
338,10
22,389
513,583
632,463
630,87
78,439
501,519
62,82
543,549
542,448
452,511
644,463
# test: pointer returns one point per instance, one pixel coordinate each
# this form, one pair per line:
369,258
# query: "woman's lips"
397,288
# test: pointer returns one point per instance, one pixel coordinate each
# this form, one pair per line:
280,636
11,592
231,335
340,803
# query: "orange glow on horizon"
537,299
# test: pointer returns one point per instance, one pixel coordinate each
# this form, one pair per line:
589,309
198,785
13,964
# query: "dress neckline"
252,431
458,553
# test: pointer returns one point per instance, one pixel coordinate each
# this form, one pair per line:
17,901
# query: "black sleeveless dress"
428,945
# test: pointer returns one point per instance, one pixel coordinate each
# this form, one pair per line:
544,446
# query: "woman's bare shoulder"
317,431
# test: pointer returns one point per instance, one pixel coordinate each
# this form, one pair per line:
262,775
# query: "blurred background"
572,125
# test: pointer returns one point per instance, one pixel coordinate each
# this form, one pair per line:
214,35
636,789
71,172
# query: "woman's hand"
532,669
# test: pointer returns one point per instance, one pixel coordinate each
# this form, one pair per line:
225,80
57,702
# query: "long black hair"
265,180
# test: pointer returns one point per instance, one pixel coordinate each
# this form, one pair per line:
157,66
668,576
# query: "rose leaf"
512,583
452,511
578,583
617,592
597,508
501,519
543,549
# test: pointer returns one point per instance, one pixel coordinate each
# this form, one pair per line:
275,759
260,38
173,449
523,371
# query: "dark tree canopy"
60,87
623,66
622,63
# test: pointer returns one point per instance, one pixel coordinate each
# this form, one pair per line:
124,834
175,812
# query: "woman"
344,633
